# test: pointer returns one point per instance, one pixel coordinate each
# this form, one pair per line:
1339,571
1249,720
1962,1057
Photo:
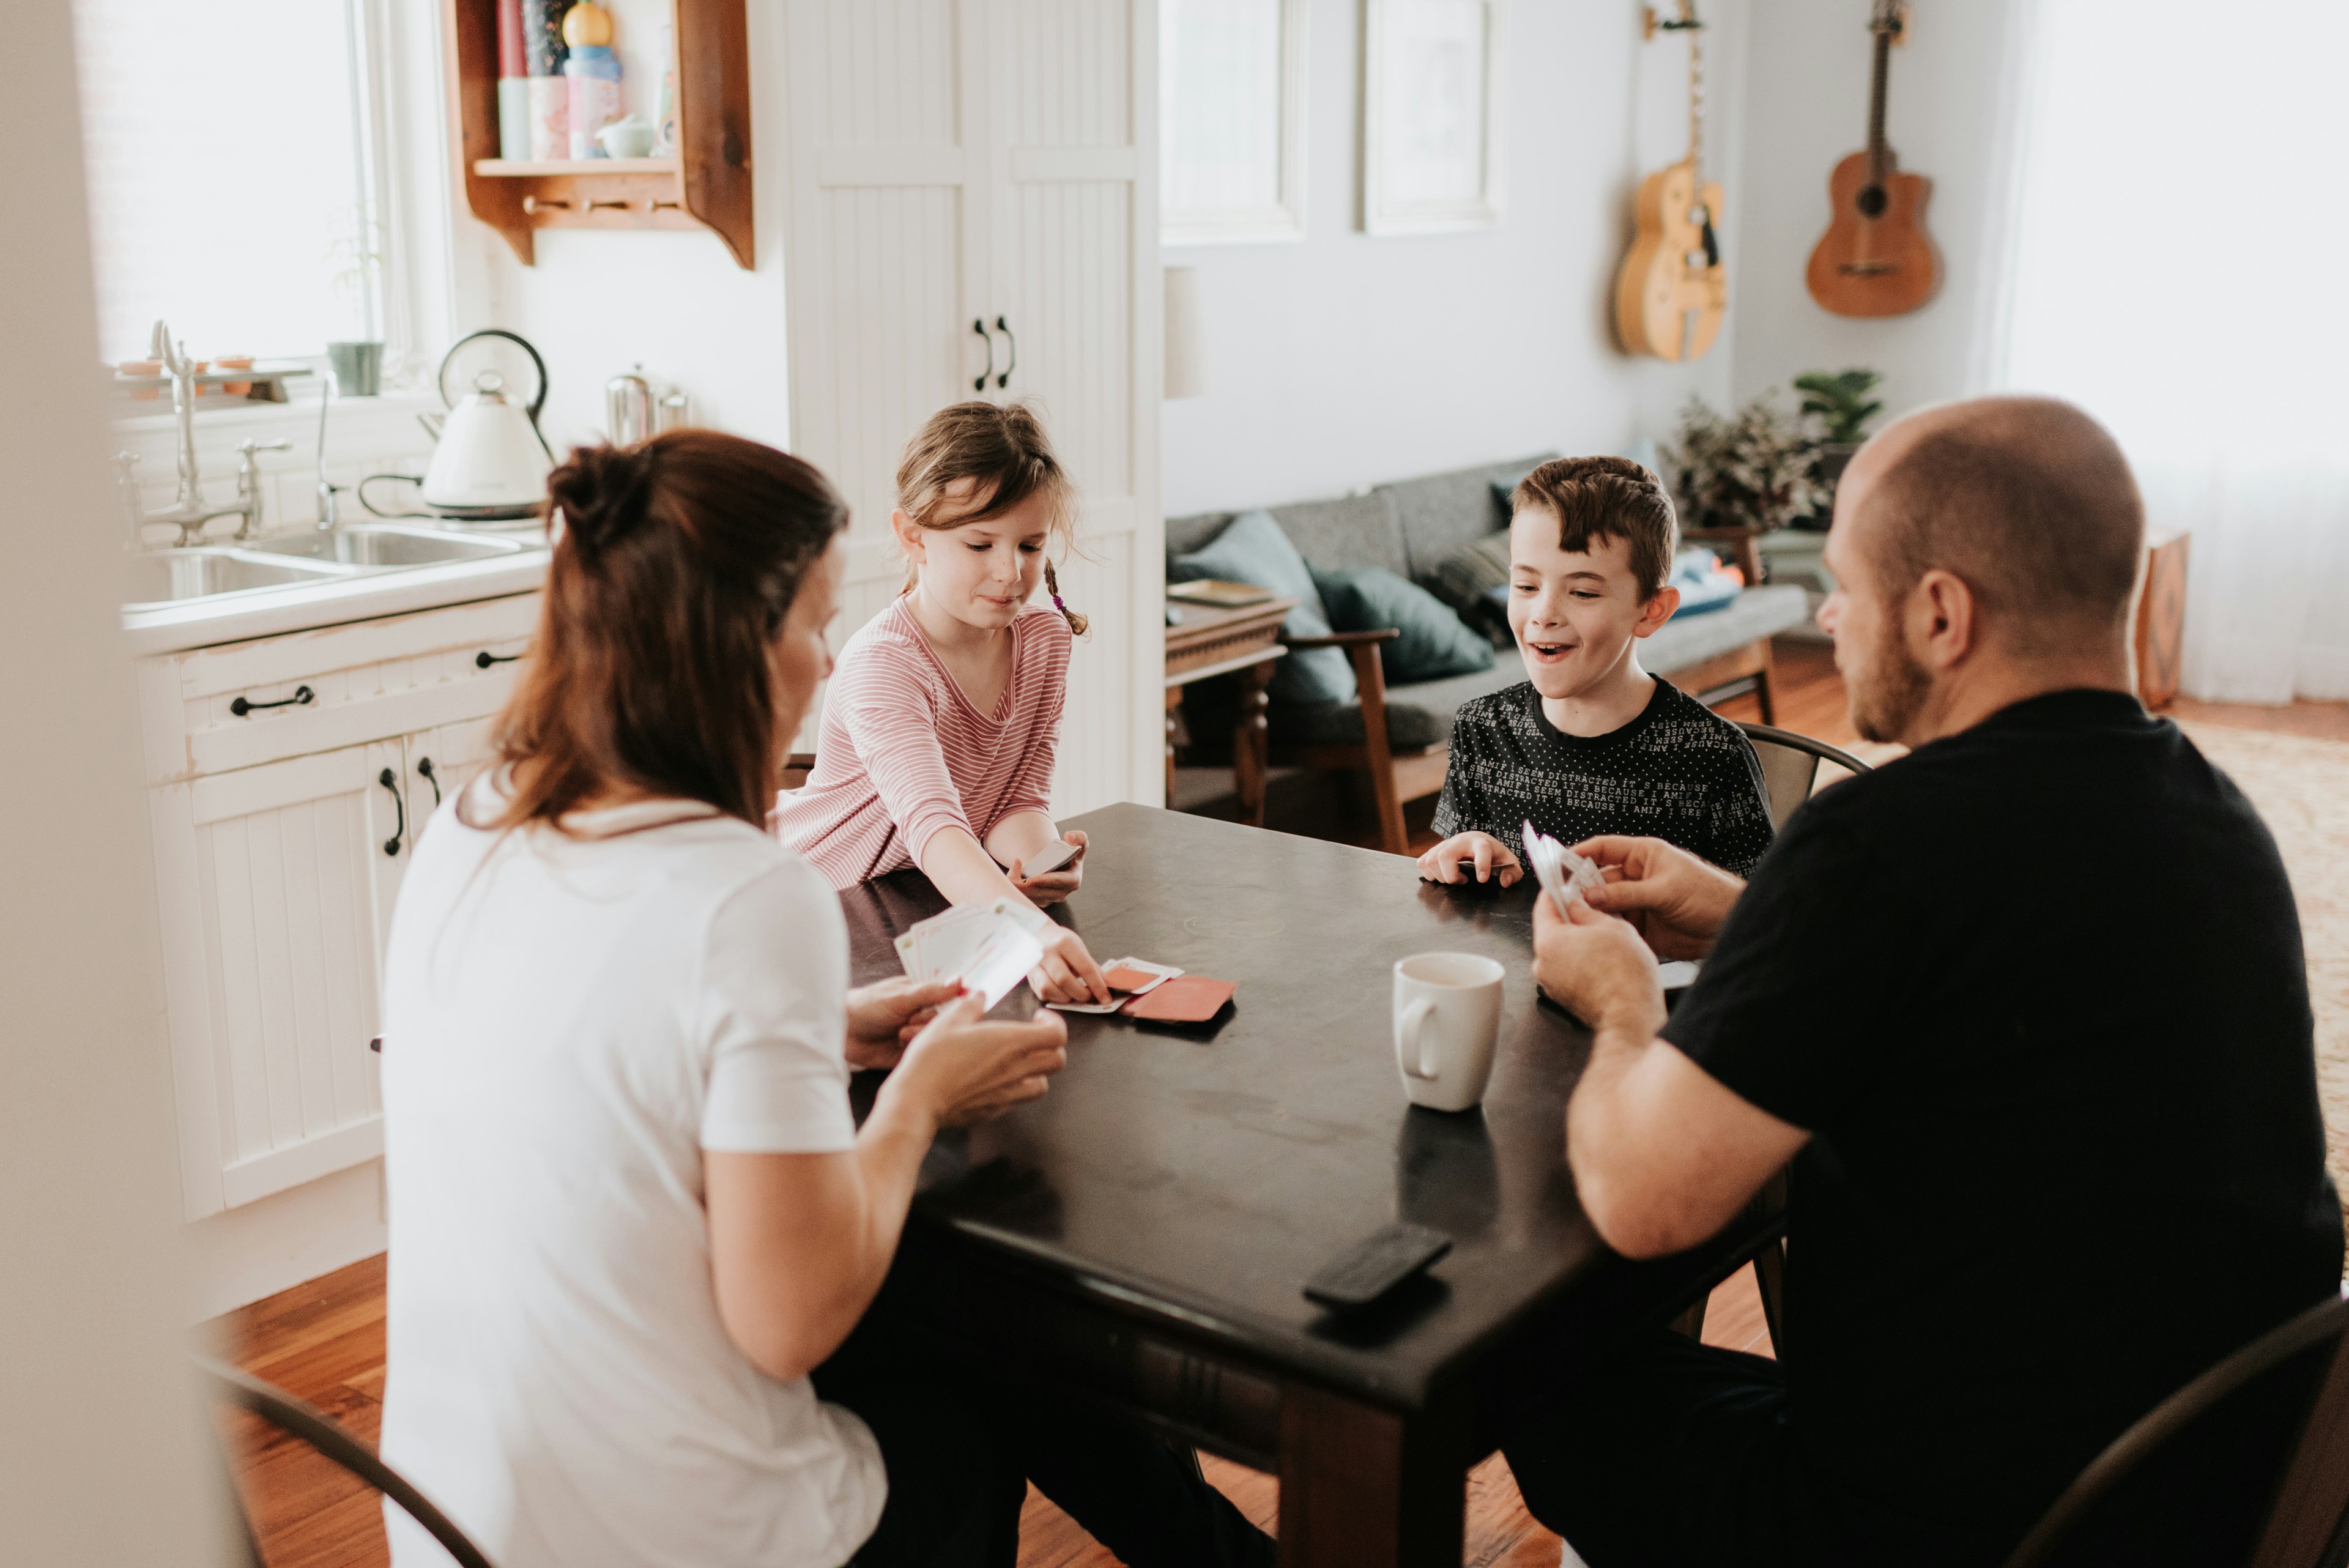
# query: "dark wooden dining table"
1140,1235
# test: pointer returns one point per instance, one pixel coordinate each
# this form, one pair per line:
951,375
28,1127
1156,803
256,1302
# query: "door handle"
1004,379
391,781
302,696
425,770
485,659
980,327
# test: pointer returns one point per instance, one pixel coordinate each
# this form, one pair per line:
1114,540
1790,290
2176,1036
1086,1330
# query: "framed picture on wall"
1431,116
1231,97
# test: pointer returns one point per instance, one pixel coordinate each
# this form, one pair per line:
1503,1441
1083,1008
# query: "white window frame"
1282,220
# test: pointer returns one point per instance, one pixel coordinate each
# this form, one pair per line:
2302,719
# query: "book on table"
1219,594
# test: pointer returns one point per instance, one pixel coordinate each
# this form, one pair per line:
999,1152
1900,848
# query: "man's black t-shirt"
2037,991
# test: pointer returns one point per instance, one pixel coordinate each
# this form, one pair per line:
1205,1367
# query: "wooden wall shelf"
708,186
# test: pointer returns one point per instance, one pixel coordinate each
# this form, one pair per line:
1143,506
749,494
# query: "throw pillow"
1434,641
1252,549
1467,576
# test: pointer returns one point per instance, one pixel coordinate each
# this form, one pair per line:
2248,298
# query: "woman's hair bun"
602,493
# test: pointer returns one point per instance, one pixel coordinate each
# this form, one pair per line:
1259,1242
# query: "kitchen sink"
158,576
370,544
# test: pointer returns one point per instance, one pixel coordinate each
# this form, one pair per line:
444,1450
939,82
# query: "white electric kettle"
491,463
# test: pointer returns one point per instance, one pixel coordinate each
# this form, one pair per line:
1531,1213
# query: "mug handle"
1410,1043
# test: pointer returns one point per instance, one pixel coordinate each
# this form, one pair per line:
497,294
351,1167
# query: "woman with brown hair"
632,1219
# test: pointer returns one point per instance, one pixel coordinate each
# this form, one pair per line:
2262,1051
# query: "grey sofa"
1401,734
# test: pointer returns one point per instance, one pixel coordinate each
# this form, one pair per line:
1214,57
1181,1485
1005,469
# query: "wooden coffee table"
1242,642
1140,1235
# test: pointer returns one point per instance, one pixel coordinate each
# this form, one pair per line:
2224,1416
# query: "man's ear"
1941,620
1657,610
910,539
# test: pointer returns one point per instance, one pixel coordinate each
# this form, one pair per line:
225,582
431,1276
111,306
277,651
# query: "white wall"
1805,108
1342,360
597,303
100,1430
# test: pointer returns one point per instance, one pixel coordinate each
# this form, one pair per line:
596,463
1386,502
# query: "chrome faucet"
189,510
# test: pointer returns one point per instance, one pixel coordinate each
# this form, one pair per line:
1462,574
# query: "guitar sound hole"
1871,202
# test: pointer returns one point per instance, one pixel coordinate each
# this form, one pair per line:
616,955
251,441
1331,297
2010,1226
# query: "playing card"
1128,978
1191,999
945,944
1002,962
1563,874
1051,858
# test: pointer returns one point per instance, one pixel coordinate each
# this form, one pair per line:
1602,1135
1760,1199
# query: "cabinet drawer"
240,704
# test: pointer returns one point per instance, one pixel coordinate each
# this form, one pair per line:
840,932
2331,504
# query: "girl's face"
802,655
979,573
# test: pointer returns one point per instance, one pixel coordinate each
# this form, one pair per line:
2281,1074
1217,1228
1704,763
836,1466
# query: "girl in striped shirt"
943,713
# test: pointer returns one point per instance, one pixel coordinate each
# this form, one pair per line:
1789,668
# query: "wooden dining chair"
1790,765
232,1385
2307,1525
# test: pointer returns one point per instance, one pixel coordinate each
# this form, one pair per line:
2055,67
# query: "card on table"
1187,999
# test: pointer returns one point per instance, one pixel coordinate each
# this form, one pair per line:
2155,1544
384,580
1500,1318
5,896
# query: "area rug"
2301,786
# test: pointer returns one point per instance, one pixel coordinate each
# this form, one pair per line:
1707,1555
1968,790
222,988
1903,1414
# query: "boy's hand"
1488,854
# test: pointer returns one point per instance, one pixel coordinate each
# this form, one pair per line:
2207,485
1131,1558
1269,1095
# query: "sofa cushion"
1468,576
1443,698
1761,612
1410,727
1351,531
1196,532
1434,641
1254,550
1444,510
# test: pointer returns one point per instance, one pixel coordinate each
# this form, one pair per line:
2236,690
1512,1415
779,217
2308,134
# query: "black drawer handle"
430,775
980,327
391,781
375,1045
1005,328
485,659
302,696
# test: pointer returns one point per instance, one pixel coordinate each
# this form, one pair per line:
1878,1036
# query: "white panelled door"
975,213
442,762
297,867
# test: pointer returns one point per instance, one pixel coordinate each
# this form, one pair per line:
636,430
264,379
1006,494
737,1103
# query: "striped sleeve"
1031,784
890,712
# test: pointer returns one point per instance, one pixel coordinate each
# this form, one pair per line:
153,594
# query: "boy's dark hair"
1605,498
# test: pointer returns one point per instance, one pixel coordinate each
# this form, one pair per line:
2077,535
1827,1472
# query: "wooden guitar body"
1670,294
1881,265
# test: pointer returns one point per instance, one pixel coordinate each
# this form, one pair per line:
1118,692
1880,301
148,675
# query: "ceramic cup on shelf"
1447,1020
629,138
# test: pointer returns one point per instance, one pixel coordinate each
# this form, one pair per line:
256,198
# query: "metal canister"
629,408
674,411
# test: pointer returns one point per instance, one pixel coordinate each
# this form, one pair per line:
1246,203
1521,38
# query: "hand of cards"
990,946
1563,874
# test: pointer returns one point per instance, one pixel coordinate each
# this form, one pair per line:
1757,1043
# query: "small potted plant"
1755,470
357,256
1840,401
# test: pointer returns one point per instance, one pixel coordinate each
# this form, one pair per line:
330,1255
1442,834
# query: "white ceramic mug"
1447,1018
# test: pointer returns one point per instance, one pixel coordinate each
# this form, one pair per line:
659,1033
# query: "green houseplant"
1754,469
1840,400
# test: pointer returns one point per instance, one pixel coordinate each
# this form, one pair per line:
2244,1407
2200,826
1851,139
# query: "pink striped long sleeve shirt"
903,753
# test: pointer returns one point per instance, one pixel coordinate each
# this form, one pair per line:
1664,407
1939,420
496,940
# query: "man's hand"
884,1015
1596,966
1675,900
1488,854
1052,887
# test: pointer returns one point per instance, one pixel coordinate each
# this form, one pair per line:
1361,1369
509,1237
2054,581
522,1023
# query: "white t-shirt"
568,1024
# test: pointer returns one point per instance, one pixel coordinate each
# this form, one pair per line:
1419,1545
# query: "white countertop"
306,606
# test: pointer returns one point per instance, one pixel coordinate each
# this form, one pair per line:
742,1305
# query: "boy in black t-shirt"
1590,743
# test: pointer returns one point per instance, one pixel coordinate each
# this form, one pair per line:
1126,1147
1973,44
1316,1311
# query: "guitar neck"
1887,23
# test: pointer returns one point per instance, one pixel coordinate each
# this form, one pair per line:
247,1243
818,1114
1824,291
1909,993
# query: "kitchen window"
244,181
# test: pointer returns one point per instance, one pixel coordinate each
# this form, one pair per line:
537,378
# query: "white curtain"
2176,242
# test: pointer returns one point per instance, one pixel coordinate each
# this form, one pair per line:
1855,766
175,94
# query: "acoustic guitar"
1875,258
1672,289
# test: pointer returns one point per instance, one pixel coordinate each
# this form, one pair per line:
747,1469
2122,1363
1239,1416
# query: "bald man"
2027,1012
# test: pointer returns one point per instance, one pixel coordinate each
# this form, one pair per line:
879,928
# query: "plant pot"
358,367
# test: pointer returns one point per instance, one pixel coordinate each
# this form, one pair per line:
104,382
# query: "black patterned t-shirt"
1678,772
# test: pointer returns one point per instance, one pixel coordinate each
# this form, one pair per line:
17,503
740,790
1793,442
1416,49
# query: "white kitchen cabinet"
280,834
974,214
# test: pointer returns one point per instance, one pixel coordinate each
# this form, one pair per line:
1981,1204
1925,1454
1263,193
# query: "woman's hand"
884,1015
1675,900
961,1069
1052,887
1441,864
1068,973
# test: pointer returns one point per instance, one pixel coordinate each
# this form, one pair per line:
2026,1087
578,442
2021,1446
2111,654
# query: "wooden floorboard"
324,1341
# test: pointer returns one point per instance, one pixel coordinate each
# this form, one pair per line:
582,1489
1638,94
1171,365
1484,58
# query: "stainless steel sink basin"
371,545
159,577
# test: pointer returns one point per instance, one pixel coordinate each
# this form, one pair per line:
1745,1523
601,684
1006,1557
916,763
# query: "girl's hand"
884,1015
1488,854
1068,973
1052,887
962,1069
